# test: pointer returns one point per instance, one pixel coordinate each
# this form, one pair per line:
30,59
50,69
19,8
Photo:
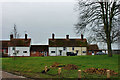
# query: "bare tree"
16,35
15,32
100,20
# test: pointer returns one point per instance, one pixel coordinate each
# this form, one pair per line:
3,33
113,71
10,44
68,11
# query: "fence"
79,72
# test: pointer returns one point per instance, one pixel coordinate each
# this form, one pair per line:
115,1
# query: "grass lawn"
33,66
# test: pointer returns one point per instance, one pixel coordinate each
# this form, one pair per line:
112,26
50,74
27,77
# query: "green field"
33,66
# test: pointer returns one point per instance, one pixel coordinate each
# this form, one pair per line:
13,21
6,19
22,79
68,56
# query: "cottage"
19,47
4,48
93,48
39,50
56,47
60,47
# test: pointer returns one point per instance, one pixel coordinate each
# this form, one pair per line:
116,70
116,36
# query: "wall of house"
58,51
79,49
38,53
55,51
34,53
4,52
52,49
0,52
22,51
94,51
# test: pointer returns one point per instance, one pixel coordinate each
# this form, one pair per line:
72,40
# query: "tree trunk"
109,46
109,49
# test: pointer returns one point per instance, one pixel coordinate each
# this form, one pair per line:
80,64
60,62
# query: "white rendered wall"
84,49
79,49
68,49
52,49
57,51
63,53
20,49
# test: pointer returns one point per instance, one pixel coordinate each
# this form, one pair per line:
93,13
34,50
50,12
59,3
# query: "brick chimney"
67,36
25,36
11,36
53,36
82,36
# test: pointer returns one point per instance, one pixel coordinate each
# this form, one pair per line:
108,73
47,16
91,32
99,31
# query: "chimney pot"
11,36
82,36
25,36
67,36
53,36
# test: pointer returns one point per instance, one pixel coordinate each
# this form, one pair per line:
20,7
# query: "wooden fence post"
108,73
50,66
79,73
59,71
45,69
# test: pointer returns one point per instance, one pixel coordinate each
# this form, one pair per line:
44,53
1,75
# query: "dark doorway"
60,52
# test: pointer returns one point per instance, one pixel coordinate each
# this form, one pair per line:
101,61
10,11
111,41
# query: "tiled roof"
67,42
20,42
93,47
4,43
39,48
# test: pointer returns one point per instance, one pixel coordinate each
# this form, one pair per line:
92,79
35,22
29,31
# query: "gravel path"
9,75
4,74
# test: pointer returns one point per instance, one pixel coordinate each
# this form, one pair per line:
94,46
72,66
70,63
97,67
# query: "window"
13,48
24,51
64,48
84,51
52,51
72,48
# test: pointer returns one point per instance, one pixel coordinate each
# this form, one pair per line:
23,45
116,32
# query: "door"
45,54
60,51
77,52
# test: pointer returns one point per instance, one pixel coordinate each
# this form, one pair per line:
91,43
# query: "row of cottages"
21,47
60,47
56,47
15,47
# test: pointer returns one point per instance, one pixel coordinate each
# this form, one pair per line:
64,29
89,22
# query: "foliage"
91,19
100,20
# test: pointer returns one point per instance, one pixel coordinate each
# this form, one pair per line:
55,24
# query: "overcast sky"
39,19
